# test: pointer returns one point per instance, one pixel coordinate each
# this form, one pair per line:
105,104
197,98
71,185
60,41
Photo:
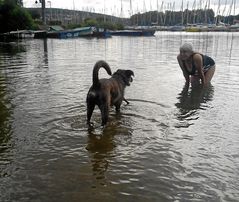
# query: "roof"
56,28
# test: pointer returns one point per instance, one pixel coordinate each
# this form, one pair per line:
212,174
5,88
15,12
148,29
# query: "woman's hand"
185,74
198,61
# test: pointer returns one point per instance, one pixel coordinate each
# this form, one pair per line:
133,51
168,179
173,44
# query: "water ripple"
168,144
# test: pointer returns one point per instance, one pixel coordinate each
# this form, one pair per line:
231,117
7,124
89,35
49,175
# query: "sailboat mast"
157,12
229,11
104,11
150,16
131,9
121,9
218,11
144,11
224,9
187,12
73,2
170,14
182,12
194,11
74,13
161,13
165,15
209,2
205,10
173,10
234,7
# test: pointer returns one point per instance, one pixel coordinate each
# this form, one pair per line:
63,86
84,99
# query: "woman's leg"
209,74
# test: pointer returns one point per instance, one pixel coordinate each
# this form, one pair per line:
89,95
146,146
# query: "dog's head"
125,75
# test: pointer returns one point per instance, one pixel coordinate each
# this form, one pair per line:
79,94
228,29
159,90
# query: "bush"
13,17
89,22
99,22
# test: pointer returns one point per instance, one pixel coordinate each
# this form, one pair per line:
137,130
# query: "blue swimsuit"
207,63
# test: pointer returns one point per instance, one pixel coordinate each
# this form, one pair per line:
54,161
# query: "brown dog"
107,92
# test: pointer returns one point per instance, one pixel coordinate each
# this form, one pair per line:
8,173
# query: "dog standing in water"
107,92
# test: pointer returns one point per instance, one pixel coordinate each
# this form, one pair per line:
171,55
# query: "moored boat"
177,28
19,34
101,33
84,31
234,27
78,32
133,33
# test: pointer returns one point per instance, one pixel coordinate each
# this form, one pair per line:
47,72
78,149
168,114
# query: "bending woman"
195,66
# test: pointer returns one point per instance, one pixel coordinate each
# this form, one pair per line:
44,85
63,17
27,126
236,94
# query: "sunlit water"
168,144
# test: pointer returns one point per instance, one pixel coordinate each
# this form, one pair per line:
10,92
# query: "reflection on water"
101,145
5,125
45,52
11,48
192,99
99,158
171,143
5,115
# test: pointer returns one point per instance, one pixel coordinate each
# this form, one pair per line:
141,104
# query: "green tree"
13,17
98,22
173,17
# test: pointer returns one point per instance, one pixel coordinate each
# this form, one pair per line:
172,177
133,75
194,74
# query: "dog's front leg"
117,106
127,102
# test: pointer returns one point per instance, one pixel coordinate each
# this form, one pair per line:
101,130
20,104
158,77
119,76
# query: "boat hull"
79,32
133,33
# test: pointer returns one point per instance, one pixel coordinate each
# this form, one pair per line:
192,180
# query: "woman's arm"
185,74
198,61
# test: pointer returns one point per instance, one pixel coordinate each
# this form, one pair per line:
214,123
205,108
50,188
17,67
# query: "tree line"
170,18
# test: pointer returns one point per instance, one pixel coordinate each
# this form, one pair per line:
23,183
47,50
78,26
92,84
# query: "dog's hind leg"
117,105
90,109
104,109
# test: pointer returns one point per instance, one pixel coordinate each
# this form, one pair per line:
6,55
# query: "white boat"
22,34
234,27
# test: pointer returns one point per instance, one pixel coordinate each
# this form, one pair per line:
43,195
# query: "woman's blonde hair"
186,47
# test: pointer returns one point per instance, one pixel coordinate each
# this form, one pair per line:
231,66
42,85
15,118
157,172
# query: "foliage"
34,14
13,17
228,19
99,22
89,22
174,17
170,18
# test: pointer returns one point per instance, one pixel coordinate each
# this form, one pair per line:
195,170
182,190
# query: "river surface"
168,144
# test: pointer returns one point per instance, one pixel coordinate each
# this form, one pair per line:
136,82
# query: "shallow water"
168,144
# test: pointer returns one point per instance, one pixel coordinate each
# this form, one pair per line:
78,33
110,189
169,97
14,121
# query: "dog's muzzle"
130,80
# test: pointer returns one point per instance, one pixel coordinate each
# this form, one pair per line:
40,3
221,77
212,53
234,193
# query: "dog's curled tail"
98,65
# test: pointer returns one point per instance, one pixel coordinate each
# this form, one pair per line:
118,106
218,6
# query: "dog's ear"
129,73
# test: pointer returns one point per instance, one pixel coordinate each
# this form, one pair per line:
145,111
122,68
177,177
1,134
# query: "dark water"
168,144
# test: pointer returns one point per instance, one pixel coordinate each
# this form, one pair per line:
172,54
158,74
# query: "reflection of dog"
107,92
